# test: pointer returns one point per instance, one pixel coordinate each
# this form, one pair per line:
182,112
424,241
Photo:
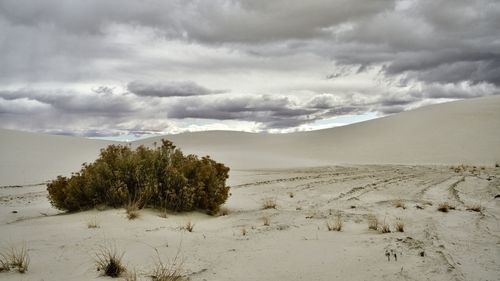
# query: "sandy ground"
458,245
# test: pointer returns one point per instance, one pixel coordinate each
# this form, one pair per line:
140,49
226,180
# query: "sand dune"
451,133
29,158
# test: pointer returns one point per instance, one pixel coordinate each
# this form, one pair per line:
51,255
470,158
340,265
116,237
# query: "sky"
129,69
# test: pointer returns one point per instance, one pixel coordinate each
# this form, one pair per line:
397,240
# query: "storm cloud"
116,67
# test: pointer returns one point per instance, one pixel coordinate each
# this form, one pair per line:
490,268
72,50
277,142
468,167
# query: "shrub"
266,221
384,228
189,226
163,178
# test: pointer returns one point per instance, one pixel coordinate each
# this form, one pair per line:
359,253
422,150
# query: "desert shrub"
399,226
162,178
444,207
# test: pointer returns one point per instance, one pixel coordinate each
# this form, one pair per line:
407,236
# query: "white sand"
459,245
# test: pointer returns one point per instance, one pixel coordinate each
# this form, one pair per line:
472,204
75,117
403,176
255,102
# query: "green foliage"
162,178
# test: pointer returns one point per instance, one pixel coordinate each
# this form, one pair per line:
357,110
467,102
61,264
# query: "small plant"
132,209
93,222
167,271
291,195
15,258
224,211
384,228
399,204
163,214
335,225
399,226
444,207
131,276
373,222
243,231
189,226
497,165
109,262
475,208
266,221
269,203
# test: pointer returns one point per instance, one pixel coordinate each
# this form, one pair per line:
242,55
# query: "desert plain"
301,204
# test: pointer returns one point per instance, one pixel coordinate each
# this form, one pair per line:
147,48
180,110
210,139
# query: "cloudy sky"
105,68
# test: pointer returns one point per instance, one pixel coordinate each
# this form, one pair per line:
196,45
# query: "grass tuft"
109,262
132,209
224,211
269,203
266,221
335,225
189,226
167,271
444,207
373,222
93,222
399,204
15,258
399,226
475,208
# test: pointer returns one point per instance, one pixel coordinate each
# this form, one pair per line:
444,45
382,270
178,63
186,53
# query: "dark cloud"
322,59
169,89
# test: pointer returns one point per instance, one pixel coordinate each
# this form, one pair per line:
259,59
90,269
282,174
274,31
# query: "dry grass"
335,225
269,203
243,231
163,214
109,262
93,222
373,222
399,226
384,228
475,208
132,209
399,204
444,207
189,226
15,258
167,271
266,221
224,211
291,194
130,276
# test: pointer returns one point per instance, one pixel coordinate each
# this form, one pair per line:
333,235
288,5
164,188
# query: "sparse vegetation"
15,258
224,211
291,194
384,228
335,225
163,177
189,226
399,226
243,231
266,221
167,271
475,208
131,276
93,222
444,207
269,203
373,222
109,261
132,209
399,204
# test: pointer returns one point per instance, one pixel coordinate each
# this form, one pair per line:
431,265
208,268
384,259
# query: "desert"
309,214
